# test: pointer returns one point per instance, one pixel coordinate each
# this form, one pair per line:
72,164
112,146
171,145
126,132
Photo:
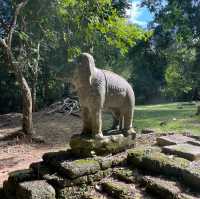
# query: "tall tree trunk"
34,96
27,123
6,44
198,109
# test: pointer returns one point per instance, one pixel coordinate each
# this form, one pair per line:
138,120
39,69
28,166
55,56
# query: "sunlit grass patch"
171,117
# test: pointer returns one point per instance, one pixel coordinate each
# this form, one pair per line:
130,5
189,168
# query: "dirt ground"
56,129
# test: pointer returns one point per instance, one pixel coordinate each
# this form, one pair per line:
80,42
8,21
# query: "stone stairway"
143,172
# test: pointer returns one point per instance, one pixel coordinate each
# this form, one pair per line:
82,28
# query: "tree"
49,34
15,64
178,20
148,68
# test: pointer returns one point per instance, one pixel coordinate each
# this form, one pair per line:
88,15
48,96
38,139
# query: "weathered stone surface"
80,167
112,161
164,188
106,90
39,189
60,182
40,169
57,156
74,192
119,190
194,142
111,144
156,162
160,163
173,139
147,131
187,151
93,194
21,175
125,174
192,175
146,139
14,178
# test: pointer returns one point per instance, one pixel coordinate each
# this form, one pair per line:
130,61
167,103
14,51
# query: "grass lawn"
173,117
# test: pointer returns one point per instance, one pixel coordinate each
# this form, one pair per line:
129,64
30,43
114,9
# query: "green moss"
85,161
117,188
164,159
195,171
140,155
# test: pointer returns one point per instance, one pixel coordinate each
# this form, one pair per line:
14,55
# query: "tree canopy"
161,62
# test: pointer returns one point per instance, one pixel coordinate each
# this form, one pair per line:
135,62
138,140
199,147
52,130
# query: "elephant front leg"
87,123
97,124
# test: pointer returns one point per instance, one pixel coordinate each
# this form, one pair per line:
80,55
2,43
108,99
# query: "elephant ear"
86,66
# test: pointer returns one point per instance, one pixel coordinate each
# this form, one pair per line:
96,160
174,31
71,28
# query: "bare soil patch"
56,129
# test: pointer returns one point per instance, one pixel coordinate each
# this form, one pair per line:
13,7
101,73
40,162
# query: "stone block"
194,142
57,156
173,140
109,144
21,175
39,189
165,188
187,151
119,190
14,179
162,164
59,182
73,192
80,167
149,159
112,161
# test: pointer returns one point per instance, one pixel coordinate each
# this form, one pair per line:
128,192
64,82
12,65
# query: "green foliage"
63,29
177,84
177,36
148,68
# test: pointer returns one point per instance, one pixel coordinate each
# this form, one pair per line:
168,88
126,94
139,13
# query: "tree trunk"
34,96
27,123
6,44
198,109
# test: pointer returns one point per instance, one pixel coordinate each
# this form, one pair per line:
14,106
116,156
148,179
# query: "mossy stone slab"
119,190
194,142
16,177
173,140
80,167
164,188
21,175
150,159
188,151
162,164
83,146
38,189
59,182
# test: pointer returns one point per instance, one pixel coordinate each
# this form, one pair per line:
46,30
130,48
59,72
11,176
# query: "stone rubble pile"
166,170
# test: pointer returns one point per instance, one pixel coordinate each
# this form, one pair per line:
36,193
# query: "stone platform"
111,143
143,172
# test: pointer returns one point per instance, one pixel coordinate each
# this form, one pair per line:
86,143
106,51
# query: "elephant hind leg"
87,124
116,119
128,121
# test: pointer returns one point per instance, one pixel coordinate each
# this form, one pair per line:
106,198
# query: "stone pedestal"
113,143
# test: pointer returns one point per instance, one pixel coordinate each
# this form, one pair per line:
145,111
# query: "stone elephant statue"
100,90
